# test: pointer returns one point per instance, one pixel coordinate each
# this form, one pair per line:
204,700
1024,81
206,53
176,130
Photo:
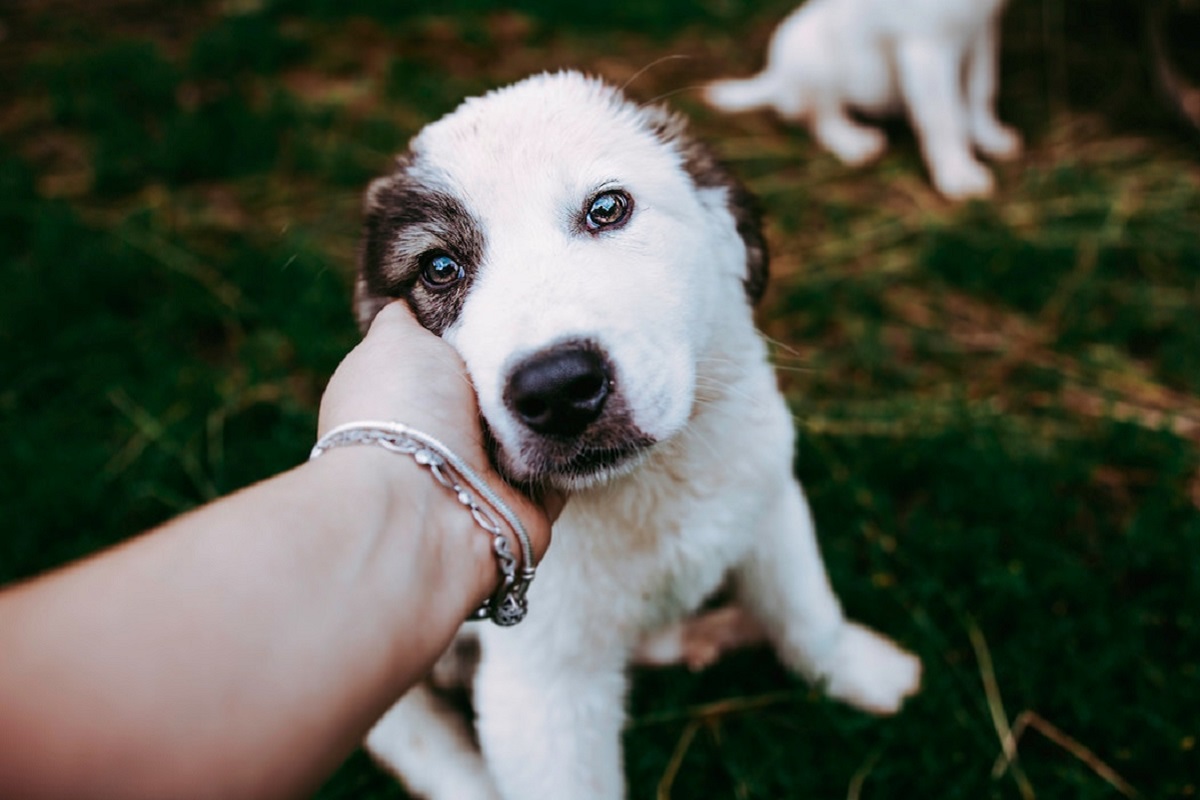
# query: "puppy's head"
580,252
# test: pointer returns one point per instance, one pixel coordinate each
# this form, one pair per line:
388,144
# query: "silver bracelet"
507,605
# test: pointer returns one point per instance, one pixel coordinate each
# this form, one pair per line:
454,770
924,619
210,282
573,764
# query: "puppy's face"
576,250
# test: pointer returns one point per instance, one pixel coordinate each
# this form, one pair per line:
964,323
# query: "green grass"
998,404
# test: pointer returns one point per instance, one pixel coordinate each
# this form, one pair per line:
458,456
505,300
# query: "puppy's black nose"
559,392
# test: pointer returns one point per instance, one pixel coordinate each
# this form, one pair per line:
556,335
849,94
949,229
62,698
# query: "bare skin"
244,649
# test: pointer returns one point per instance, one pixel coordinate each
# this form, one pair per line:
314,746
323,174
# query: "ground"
998,403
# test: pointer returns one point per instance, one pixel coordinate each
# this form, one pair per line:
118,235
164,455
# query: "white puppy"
937,59
596,270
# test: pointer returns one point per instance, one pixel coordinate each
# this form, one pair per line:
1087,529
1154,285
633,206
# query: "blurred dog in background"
937,60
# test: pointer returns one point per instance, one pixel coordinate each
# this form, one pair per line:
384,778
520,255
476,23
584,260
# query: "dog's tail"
748,94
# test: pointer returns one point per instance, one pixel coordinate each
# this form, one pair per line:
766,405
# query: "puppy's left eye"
608,209
440,271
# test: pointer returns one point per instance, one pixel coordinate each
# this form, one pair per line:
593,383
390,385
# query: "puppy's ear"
746,212
368,297
708,172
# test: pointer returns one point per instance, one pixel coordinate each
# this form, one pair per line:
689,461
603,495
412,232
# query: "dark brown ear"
745,209
708,172
369,297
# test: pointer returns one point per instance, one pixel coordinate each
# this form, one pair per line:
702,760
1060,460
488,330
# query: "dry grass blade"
1011,736
1030,719
681,748
854,790
991,688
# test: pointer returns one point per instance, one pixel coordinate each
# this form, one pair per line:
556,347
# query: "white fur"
936,59
640,549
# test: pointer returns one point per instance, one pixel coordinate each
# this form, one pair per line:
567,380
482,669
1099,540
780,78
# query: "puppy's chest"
641,572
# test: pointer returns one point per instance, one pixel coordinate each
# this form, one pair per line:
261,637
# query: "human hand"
401,372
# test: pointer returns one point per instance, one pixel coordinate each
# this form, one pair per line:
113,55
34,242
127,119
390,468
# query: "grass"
998,404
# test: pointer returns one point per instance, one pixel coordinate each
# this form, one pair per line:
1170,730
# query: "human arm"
244,649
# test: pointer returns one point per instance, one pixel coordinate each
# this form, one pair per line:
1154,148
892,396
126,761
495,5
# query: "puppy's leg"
700,640
550,729
931,80
851,142
426,745
994,138
783,583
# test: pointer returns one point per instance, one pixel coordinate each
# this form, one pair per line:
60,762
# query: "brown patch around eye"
404,221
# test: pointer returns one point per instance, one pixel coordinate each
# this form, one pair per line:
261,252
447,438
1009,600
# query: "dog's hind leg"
991,136
700,640
931,81
784,585
426,744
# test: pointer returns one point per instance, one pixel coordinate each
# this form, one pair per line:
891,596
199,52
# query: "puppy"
937,59
596,269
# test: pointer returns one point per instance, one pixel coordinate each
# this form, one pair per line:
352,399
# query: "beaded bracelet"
507,605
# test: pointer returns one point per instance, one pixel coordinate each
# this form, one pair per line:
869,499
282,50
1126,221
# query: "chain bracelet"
507,605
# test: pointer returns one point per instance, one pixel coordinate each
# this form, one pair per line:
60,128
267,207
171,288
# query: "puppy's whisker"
691,87
803,369
652,65
776,344
719,389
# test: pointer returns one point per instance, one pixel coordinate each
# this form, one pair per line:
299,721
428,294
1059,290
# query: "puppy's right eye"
440,271
607,210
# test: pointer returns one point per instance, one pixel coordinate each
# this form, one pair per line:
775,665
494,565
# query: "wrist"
421,537
487,507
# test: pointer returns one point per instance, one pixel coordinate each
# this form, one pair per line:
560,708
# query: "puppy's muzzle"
573,423
560,391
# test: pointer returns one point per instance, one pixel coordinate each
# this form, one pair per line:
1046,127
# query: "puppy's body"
936,59
668,426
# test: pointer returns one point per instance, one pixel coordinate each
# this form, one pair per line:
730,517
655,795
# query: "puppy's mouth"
590,465
591,460
573,464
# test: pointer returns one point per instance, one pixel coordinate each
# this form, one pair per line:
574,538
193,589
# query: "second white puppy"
935,59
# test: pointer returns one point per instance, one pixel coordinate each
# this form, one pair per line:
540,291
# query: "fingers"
397,329
395,317
402,372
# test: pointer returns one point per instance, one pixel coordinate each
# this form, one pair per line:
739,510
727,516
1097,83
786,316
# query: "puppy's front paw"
962,178
870,671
